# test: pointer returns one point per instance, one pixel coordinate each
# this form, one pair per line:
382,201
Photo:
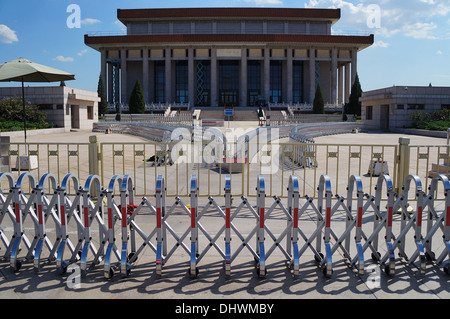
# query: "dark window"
181,84
297,89
160,81
369,113
276,83
46,106
400,106
90,112
228,83
416,106
203,97
253,82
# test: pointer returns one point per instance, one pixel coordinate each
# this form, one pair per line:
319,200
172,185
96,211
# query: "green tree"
354,105
103,104
137,102
11,110
11,115
318,104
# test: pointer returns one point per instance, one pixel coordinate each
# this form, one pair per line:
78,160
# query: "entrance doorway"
228,83
75,116
384,117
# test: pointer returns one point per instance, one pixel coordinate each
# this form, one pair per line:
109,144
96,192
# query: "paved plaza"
243,283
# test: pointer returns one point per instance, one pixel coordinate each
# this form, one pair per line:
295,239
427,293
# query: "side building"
66,107
392,107
228,56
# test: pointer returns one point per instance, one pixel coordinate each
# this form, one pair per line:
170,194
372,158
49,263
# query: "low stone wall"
153,132
17,134
310,131
439,134
304,153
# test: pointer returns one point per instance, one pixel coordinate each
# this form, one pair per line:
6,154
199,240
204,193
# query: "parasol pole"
24,115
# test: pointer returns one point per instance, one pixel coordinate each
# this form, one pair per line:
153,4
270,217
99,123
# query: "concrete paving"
212,282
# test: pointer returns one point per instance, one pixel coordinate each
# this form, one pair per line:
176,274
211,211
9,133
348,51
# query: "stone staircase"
246,115
212,114
240,114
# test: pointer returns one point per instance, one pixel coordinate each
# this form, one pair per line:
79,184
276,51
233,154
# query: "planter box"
27,163
234,165
439,169
378,167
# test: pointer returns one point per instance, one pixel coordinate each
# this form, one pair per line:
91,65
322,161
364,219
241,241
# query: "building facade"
66,107
229,56
392,107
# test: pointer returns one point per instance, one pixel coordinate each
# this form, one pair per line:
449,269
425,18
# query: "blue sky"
412,38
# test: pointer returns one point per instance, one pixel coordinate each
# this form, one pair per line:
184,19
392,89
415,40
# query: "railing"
172,120
213,160
299,107
150,107
367,230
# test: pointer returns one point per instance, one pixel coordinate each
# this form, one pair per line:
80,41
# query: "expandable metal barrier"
86,209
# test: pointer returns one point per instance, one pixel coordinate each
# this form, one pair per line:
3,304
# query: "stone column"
191,72
103,72
103,69
266,80
354,64
312,74
124,77
214,101
110,84
333,76
289,76
243,81
145,75
347,82
341,85
168,73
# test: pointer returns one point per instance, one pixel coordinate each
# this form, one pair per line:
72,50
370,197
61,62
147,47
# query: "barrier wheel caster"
321,257
130,256
192,276
63,269
430,255
376,257
325,273
260,274
447,269
110,274
387,270
17,266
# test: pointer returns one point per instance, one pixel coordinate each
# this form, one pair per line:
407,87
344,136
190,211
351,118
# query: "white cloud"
89,21
420,30
119,24
381,44
415,19
439,52
7,35
61,58
82,52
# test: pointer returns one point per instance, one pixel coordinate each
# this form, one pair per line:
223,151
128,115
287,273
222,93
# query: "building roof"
125,15
360,42
407,92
